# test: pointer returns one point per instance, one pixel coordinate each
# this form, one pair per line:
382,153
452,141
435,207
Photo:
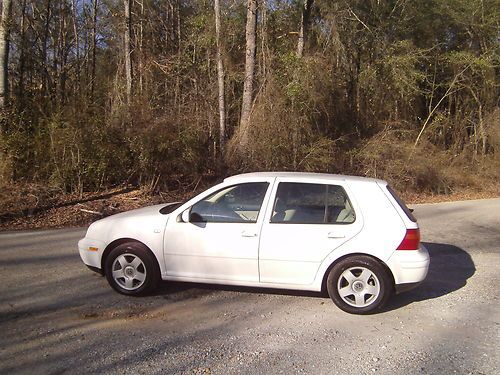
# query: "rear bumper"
409,267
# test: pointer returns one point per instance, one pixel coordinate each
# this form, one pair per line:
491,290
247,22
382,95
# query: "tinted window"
233,204
402,204
311,204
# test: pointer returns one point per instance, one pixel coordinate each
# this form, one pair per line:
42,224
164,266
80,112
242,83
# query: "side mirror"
185,216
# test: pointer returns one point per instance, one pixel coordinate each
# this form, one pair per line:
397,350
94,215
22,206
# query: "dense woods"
98,93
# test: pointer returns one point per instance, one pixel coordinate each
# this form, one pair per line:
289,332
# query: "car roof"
301,176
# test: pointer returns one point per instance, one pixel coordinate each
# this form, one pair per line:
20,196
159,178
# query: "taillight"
411,241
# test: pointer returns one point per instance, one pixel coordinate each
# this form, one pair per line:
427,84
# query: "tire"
359,285
132,270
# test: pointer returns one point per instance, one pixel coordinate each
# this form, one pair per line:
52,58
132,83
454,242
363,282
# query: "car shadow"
449,269
174,290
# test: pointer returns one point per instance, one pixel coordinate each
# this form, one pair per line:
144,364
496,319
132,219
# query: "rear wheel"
359,285
132,270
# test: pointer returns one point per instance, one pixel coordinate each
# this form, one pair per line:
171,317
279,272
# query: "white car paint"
265,254
292,253
215,251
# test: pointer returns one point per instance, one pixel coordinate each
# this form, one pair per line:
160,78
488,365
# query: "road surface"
57,317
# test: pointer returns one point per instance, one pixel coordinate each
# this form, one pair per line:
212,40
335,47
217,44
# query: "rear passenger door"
305,223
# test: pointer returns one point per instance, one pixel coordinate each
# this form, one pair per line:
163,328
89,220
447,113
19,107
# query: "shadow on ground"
179,290
449,270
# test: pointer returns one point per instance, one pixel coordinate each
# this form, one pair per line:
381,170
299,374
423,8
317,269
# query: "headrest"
279,206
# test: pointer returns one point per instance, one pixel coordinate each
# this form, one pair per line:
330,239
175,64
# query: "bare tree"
139,39
127,50
220,78
94,46
4,52
45,39
22,53
246,105
74,12
304,27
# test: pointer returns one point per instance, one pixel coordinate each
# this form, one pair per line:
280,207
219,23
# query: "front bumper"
91,251
409,267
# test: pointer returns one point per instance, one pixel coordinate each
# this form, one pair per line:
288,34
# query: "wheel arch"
120,241
380,261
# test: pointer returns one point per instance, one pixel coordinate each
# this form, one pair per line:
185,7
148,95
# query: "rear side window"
402,204
303,203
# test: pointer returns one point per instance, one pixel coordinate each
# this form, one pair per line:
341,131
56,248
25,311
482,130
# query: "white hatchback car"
351,236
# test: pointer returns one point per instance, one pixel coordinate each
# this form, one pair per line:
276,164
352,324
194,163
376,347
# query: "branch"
356,16
91,212
446,94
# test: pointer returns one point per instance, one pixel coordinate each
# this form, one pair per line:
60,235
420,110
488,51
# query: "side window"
338,209
303,203
232,204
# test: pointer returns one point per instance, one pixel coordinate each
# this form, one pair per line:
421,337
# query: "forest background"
170,95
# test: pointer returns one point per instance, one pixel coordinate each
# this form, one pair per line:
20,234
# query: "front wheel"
359,285
132,270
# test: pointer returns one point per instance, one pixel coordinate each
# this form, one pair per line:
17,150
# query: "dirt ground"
36,207
57,317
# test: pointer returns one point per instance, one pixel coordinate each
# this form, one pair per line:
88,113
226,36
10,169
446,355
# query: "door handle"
248,234
335,235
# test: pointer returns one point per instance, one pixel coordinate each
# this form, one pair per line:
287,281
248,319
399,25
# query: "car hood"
129,223
137,213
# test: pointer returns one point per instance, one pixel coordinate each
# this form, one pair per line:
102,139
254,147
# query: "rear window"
306,203
402,204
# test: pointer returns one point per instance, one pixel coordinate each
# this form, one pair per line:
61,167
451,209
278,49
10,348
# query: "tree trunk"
220,78
22,55
4,52
482,131
304,27
74,12
140,70
127,51
262,62
246,105
63,48
179,57
94,47
46,84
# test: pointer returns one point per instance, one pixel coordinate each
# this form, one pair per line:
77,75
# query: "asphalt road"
56,317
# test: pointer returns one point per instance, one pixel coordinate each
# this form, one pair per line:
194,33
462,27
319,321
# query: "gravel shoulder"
57,317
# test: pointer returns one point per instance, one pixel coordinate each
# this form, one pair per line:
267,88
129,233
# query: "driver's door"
221,239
